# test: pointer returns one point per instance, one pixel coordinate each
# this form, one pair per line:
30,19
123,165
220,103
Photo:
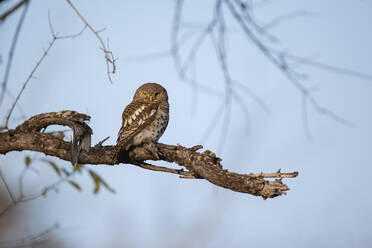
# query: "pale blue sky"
329,204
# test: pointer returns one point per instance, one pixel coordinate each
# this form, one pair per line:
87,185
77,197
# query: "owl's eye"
157,94
144,94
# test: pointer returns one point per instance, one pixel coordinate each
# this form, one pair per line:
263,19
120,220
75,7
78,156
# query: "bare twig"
324,66
20,108
216,118
236,97
305,120
27,81
7,187
48,188
33,196
247,15
216,25
20,182
242,13
28,241
258,100
12,9
110,59
283,67
220,47
278,20
73,36
181,172
182,67
31,75
102,141
277,174
12,49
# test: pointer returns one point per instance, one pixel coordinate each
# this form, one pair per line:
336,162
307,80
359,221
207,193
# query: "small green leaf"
96,188
45,191
108,187
53,165
78,167
98,181
75,185
27,161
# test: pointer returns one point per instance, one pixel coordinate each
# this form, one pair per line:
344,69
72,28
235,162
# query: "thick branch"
27,136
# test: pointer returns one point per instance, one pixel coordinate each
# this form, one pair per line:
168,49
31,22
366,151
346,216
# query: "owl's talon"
153,149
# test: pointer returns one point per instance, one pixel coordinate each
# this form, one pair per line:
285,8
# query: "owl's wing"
136,117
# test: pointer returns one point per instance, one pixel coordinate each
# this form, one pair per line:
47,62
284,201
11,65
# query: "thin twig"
305,120
31,75
2,212
258,100
20,108
174,34
33,196
283,67
110,59
220,48
7,187
181,172
251,20
20,182
244,109
11,10
246,21
102,141
50,187
216,118
12,49
324,66
277,174
278,20
73,36
29,240
28,80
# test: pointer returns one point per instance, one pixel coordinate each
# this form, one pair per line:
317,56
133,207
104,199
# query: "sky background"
329,204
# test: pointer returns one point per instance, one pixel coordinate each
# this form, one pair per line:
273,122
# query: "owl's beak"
151,98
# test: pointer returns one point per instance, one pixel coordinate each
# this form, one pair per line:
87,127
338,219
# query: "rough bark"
205,165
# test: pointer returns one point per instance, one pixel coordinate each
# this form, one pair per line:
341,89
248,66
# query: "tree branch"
55,37
109,57
206,165
12,9
31,240
12,50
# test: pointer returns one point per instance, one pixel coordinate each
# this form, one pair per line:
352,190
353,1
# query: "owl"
145,118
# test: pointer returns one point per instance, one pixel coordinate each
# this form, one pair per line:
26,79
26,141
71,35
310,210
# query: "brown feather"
130,130
145,118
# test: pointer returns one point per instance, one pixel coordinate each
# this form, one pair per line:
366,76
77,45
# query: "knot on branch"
81,140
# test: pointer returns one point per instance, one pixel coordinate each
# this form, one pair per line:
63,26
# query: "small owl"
145,118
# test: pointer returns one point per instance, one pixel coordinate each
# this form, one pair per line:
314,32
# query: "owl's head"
151,93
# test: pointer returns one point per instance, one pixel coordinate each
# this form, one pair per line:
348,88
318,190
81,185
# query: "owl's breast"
154,130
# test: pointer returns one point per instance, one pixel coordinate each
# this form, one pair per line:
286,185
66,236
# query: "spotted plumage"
144,120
